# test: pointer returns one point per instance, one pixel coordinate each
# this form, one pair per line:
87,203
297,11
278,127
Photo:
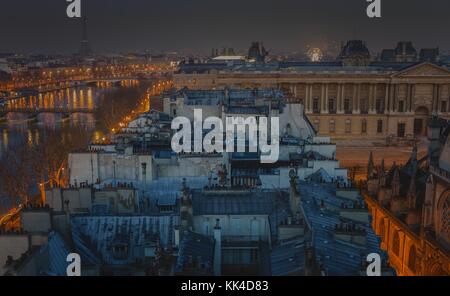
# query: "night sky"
41,26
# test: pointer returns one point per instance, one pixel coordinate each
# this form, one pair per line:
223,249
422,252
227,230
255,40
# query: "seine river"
17,129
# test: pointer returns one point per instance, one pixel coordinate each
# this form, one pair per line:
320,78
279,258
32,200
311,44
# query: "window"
445,220
381,229
347,108
443,106
348,126
401,130
236,226
317,125
316,105
332,126
331,107
396,244
380,126
364,106
364,126
401,105
379,105
412,261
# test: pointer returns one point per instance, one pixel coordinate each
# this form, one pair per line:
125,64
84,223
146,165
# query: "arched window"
396,243
445,220
381,229
436,270
412,259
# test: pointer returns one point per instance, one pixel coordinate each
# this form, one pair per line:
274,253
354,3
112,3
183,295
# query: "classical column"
322,98
412,93
407,100
358,99
373,98
309,89
386,99
438,98
354,98
396,99
325,107
306,102
392,98
434,99
341,111
448,98
338,98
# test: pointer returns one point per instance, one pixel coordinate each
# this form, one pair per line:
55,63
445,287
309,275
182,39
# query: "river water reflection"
19,129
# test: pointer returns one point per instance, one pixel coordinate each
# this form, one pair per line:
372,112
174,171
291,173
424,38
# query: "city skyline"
205,138
174,25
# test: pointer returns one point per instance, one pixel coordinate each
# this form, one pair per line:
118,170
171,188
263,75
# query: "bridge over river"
33,112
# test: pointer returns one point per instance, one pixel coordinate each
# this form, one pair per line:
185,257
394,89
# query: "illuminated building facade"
350,98
410,207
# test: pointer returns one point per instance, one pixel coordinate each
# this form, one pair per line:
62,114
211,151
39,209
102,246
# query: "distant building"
257,52
354,53
225,51
430,55
355,96
406,53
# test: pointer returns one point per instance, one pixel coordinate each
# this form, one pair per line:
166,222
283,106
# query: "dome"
355,48
405,48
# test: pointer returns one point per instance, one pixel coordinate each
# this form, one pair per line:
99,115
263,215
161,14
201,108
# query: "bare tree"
118,104
24,169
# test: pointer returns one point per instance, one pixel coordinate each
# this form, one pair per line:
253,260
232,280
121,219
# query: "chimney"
177,236
131,246
217,249
294,196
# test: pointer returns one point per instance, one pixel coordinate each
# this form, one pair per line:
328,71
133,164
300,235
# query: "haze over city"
211,138
197,25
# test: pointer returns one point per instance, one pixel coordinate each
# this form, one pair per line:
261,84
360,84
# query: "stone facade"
348,102
410,209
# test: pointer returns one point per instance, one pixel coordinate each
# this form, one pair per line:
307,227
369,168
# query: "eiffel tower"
85,49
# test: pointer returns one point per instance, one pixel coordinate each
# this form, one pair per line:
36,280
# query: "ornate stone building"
410,207
352,97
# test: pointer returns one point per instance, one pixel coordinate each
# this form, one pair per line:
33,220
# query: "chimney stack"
217,249
177,236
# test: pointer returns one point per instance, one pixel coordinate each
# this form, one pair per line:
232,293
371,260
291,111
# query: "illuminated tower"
85,49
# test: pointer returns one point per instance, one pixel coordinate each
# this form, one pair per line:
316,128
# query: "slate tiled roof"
196,247
226,203
338,258
93,236
288,258
58,251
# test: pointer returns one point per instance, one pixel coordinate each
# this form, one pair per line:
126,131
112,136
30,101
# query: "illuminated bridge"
33,112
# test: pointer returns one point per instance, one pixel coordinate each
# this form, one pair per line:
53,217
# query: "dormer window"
120,251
